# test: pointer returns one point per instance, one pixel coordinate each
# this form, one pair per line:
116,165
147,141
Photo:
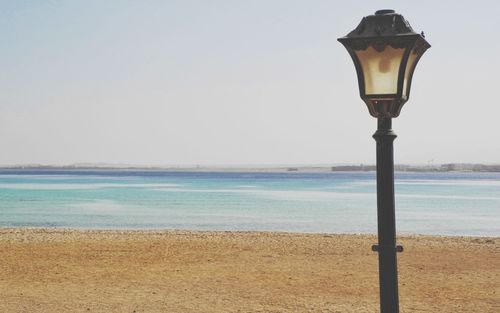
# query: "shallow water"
337,202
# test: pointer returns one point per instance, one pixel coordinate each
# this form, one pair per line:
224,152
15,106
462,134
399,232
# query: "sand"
54,270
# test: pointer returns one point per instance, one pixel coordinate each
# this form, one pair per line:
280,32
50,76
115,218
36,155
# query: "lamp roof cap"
383,23
385,11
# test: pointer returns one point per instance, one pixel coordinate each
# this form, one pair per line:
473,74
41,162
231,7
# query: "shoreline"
67,270
145,231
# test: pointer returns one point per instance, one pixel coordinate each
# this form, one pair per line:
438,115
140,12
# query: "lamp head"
385,51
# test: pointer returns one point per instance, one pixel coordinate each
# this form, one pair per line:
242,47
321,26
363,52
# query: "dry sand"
48,270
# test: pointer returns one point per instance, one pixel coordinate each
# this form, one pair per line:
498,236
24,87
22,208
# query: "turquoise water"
340,202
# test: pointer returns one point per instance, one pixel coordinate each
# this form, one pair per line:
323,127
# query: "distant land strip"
449,167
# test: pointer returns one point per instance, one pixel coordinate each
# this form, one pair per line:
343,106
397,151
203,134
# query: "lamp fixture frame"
386,28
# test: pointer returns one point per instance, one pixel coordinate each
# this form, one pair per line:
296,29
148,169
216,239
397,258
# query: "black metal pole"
388,273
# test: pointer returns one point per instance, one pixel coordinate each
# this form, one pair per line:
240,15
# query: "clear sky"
235,82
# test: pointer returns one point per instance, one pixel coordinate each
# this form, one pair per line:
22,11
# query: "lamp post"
385,51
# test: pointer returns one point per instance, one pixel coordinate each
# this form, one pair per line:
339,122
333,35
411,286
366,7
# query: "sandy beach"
55,270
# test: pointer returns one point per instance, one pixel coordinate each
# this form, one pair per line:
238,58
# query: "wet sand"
49,270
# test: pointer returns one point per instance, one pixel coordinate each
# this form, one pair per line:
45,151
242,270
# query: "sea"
433,203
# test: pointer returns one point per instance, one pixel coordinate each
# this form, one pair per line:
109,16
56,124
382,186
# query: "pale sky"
236,82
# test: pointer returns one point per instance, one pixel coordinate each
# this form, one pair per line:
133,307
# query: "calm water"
426,203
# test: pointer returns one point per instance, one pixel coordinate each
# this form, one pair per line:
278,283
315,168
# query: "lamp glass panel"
412,58
380,69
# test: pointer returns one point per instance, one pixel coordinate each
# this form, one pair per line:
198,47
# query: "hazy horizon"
231,83
228,166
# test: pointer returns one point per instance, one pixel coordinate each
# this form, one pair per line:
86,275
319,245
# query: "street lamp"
385,51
